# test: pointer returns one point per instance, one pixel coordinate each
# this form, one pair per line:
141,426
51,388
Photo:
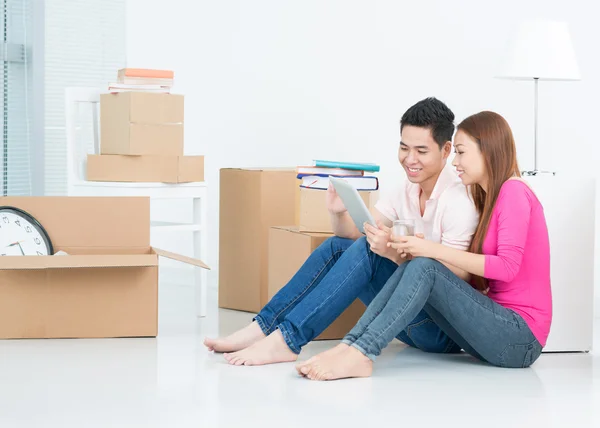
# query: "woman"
503,317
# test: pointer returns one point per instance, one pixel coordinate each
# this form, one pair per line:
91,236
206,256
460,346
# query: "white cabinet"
569,205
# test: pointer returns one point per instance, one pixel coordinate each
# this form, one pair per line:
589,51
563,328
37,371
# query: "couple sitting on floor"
477,279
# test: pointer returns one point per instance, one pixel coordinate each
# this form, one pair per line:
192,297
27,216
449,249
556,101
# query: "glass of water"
403,228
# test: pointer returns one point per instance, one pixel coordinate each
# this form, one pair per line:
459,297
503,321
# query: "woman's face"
468,161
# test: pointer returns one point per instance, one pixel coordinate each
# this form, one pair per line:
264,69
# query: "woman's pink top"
517,257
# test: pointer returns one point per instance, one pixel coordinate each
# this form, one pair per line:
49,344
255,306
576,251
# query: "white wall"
273,83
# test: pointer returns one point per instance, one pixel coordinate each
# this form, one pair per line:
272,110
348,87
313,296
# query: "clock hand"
17,243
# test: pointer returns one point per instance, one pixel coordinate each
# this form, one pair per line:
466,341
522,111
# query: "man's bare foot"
239,340
270,350
303,367
350,363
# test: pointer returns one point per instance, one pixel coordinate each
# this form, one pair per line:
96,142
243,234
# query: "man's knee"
362,242
335,245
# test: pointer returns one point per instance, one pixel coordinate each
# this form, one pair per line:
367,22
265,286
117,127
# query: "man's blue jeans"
338,272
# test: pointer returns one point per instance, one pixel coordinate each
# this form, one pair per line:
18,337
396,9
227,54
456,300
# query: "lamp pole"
535,171
535,124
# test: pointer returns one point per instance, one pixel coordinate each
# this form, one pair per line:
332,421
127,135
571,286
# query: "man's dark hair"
434,115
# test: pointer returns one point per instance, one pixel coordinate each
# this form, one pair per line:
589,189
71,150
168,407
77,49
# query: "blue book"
370,167
321,182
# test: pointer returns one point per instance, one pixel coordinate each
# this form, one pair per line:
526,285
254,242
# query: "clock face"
22,235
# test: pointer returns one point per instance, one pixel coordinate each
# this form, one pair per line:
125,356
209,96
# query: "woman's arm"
458,261
514,211
469,262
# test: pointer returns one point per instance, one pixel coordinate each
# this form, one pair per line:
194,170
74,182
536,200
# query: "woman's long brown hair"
495,139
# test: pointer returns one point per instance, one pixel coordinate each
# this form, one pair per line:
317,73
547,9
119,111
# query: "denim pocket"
520,356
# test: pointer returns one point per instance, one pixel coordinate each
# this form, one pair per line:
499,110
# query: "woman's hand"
415,246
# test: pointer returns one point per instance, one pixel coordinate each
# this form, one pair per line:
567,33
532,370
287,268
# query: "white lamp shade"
543,50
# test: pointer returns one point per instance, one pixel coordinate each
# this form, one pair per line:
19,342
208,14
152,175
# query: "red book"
146,72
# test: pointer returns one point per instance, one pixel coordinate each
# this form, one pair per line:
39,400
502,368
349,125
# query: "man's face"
420,155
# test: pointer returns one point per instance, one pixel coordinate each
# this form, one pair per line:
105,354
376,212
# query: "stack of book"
143,80
317,176
313,215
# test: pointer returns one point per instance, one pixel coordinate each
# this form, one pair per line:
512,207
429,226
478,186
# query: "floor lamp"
540,50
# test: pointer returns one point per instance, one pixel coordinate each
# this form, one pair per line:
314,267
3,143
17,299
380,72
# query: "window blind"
84,46
15,97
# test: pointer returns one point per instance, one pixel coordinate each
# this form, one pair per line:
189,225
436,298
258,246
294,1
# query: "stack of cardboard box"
141,140
269,226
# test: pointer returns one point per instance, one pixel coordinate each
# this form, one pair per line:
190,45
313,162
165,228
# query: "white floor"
172,381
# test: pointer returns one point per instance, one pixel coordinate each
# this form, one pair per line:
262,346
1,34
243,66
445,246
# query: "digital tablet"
353,202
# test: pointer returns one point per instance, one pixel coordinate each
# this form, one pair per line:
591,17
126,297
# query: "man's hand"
378,238
334,202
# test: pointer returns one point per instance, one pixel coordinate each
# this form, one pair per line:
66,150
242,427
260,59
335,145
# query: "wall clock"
22,235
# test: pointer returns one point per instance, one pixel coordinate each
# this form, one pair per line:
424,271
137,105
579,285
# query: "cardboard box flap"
77,261
262,169
302,231
89,221
180,258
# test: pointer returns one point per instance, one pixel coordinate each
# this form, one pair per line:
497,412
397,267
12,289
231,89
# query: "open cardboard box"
106,287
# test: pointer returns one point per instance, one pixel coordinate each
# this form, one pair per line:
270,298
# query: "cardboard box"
251,201
163,169
140,123
106,287
313,216
142,139
288,250
142,107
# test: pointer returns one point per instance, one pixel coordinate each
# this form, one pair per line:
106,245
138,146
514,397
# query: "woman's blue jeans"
480,326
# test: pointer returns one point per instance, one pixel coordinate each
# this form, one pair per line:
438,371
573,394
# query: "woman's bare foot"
302,367
350,363
270,350
239,340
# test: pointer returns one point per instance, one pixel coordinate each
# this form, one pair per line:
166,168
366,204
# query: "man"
350,265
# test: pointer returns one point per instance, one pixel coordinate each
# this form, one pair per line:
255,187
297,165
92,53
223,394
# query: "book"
313,170
145,73
145,81
369,167
120,87
321,182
